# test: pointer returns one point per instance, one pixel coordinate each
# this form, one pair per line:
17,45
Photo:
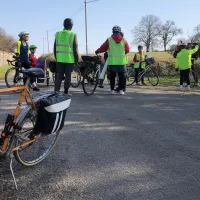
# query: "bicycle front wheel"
37,151
90,81
14,78
75,77
153,78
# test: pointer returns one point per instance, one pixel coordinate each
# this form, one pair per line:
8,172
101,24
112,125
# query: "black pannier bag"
149,60
51,113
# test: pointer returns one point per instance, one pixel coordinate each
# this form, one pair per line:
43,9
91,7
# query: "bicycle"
149,72
17,137
75,77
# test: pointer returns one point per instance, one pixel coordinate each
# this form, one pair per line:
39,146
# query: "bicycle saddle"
32,72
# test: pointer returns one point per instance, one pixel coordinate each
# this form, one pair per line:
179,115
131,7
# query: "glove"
176,69
96,52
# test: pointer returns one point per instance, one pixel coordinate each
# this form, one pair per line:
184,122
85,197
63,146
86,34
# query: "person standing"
23,52
66,54
183,62
139,64
117,48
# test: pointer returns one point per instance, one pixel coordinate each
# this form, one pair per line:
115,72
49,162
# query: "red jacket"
33,60
118,38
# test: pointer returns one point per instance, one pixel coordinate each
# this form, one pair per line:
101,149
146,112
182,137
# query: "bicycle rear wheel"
40,149
130,78
153,78
193,78
90,80
13,75
75,77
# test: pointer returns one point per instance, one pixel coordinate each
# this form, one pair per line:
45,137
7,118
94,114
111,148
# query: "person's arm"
192,51
75,48
127,48
177,62
103,48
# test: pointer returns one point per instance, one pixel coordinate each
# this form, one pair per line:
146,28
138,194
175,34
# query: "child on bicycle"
32,57
139,64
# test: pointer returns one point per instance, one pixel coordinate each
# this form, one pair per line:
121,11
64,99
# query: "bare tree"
7,42
197,29
169,31
147,31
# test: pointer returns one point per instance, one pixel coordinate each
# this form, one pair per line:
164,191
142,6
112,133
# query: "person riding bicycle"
23,52
117,48
183,62
139,64
66,54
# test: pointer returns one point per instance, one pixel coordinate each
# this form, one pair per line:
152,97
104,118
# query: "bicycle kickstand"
11,169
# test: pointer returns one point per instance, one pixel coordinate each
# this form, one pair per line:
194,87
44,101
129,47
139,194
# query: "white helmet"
23,33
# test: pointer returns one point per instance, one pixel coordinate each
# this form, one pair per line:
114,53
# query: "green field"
3,70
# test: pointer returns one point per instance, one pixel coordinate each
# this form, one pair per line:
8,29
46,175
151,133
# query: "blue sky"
38,16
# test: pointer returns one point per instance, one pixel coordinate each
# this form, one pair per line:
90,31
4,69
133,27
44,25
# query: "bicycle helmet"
68,23
23,33
116,29
32,47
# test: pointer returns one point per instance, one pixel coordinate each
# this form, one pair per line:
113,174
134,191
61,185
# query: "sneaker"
188,87
112,92
137,84
121,92
181,87
68,95
101,86
36,89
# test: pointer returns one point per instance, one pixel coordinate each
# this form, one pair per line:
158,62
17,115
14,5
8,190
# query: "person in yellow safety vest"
183,62
139,63
66,54
117,48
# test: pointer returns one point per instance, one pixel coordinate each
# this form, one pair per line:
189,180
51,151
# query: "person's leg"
181,78
187,77
59,75
142,78
136,75
68,72
194,74
112,80
121,81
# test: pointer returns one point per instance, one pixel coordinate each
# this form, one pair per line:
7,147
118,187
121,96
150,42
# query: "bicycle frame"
29,101
141,74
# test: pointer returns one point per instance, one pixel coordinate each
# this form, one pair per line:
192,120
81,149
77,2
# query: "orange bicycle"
17,137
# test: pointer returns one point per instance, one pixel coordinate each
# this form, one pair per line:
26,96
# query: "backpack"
51,113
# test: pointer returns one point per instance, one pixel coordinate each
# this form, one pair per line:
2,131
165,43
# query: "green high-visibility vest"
64,46
116,52
137,64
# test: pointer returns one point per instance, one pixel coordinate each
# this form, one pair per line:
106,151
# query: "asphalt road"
141,146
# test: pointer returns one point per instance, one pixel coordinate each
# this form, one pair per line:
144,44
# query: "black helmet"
68,23
116,29
140,47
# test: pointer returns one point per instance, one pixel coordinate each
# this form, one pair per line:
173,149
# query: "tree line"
7,42
153,33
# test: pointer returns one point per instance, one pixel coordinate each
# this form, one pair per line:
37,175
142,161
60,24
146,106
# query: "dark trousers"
184,76
63,69
137,71
122,80
26,65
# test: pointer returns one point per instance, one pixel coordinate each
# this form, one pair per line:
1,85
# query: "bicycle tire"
130,82
78,78
91,81
26,160
151,75
9,79
193,78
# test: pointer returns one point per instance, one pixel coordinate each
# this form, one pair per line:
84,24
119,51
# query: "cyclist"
66,54
183,62
32,57
139,64
23,52
117,48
